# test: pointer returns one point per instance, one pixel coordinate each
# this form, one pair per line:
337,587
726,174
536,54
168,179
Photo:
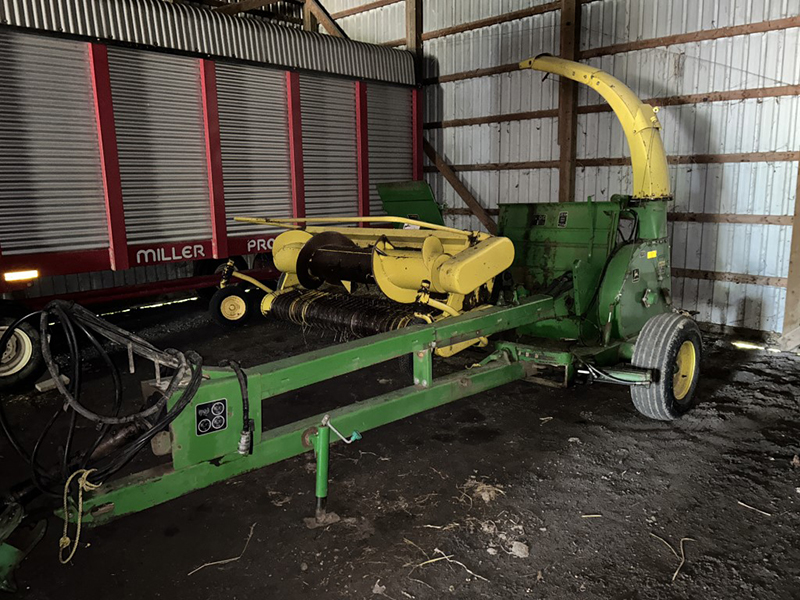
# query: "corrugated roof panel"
192,29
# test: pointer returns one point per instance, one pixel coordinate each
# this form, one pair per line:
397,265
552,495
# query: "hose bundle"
109,452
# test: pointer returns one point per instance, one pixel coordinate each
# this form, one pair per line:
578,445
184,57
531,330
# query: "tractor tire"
231,306
21,363
671,346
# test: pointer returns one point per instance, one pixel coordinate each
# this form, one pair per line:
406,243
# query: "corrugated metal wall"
754,186
51,187
761,125
390,132
158,116
254,138
330,165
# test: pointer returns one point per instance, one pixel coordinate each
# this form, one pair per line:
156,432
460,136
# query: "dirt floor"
522,492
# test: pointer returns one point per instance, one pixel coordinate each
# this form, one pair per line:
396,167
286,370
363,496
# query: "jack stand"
322,447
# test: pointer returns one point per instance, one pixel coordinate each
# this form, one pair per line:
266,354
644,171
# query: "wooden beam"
743,157
520,116
310,22
234,8
731,95
481,23
414,34
695,36
459,187
509,68
507,166
467,212
783,220
791,313
570,37
743,278
364,8
325,19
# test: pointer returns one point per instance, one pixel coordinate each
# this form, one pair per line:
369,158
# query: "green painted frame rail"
188,472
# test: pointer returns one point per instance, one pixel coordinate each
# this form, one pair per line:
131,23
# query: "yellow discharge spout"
638,120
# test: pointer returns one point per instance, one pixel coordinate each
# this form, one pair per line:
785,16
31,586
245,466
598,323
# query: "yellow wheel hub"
233,308
684,370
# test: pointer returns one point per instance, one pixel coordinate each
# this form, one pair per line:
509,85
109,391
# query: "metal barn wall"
747,132
731,123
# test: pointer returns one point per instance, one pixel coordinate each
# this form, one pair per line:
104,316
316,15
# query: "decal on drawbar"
211,416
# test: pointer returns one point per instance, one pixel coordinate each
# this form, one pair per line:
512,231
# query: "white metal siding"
733,63
162,158
51,187
390,138
254,137
328,108
759,125
512,141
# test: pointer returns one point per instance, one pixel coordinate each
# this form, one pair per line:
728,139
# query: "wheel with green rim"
670,345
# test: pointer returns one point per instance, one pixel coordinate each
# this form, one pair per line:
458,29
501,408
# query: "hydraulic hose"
107,453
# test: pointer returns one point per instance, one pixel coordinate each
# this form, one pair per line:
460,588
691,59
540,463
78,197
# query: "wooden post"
312,9
414,34
791,313
310,22
460,188
568,101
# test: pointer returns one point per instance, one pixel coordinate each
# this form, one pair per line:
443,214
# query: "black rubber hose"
73,402
117,381
242,377
195,365
74,386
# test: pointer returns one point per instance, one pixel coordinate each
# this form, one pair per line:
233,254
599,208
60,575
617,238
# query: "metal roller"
356,316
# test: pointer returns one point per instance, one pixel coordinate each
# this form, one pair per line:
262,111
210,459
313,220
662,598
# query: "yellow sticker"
652,254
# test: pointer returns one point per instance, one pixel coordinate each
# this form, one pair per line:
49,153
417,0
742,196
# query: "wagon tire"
231,306
21,363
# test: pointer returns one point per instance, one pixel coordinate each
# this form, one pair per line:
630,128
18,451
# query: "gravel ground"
524,491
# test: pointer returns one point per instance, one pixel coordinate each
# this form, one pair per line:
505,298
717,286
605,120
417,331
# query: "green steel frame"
199,461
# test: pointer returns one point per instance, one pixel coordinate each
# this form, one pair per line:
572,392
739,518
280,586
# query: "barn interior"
399,298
